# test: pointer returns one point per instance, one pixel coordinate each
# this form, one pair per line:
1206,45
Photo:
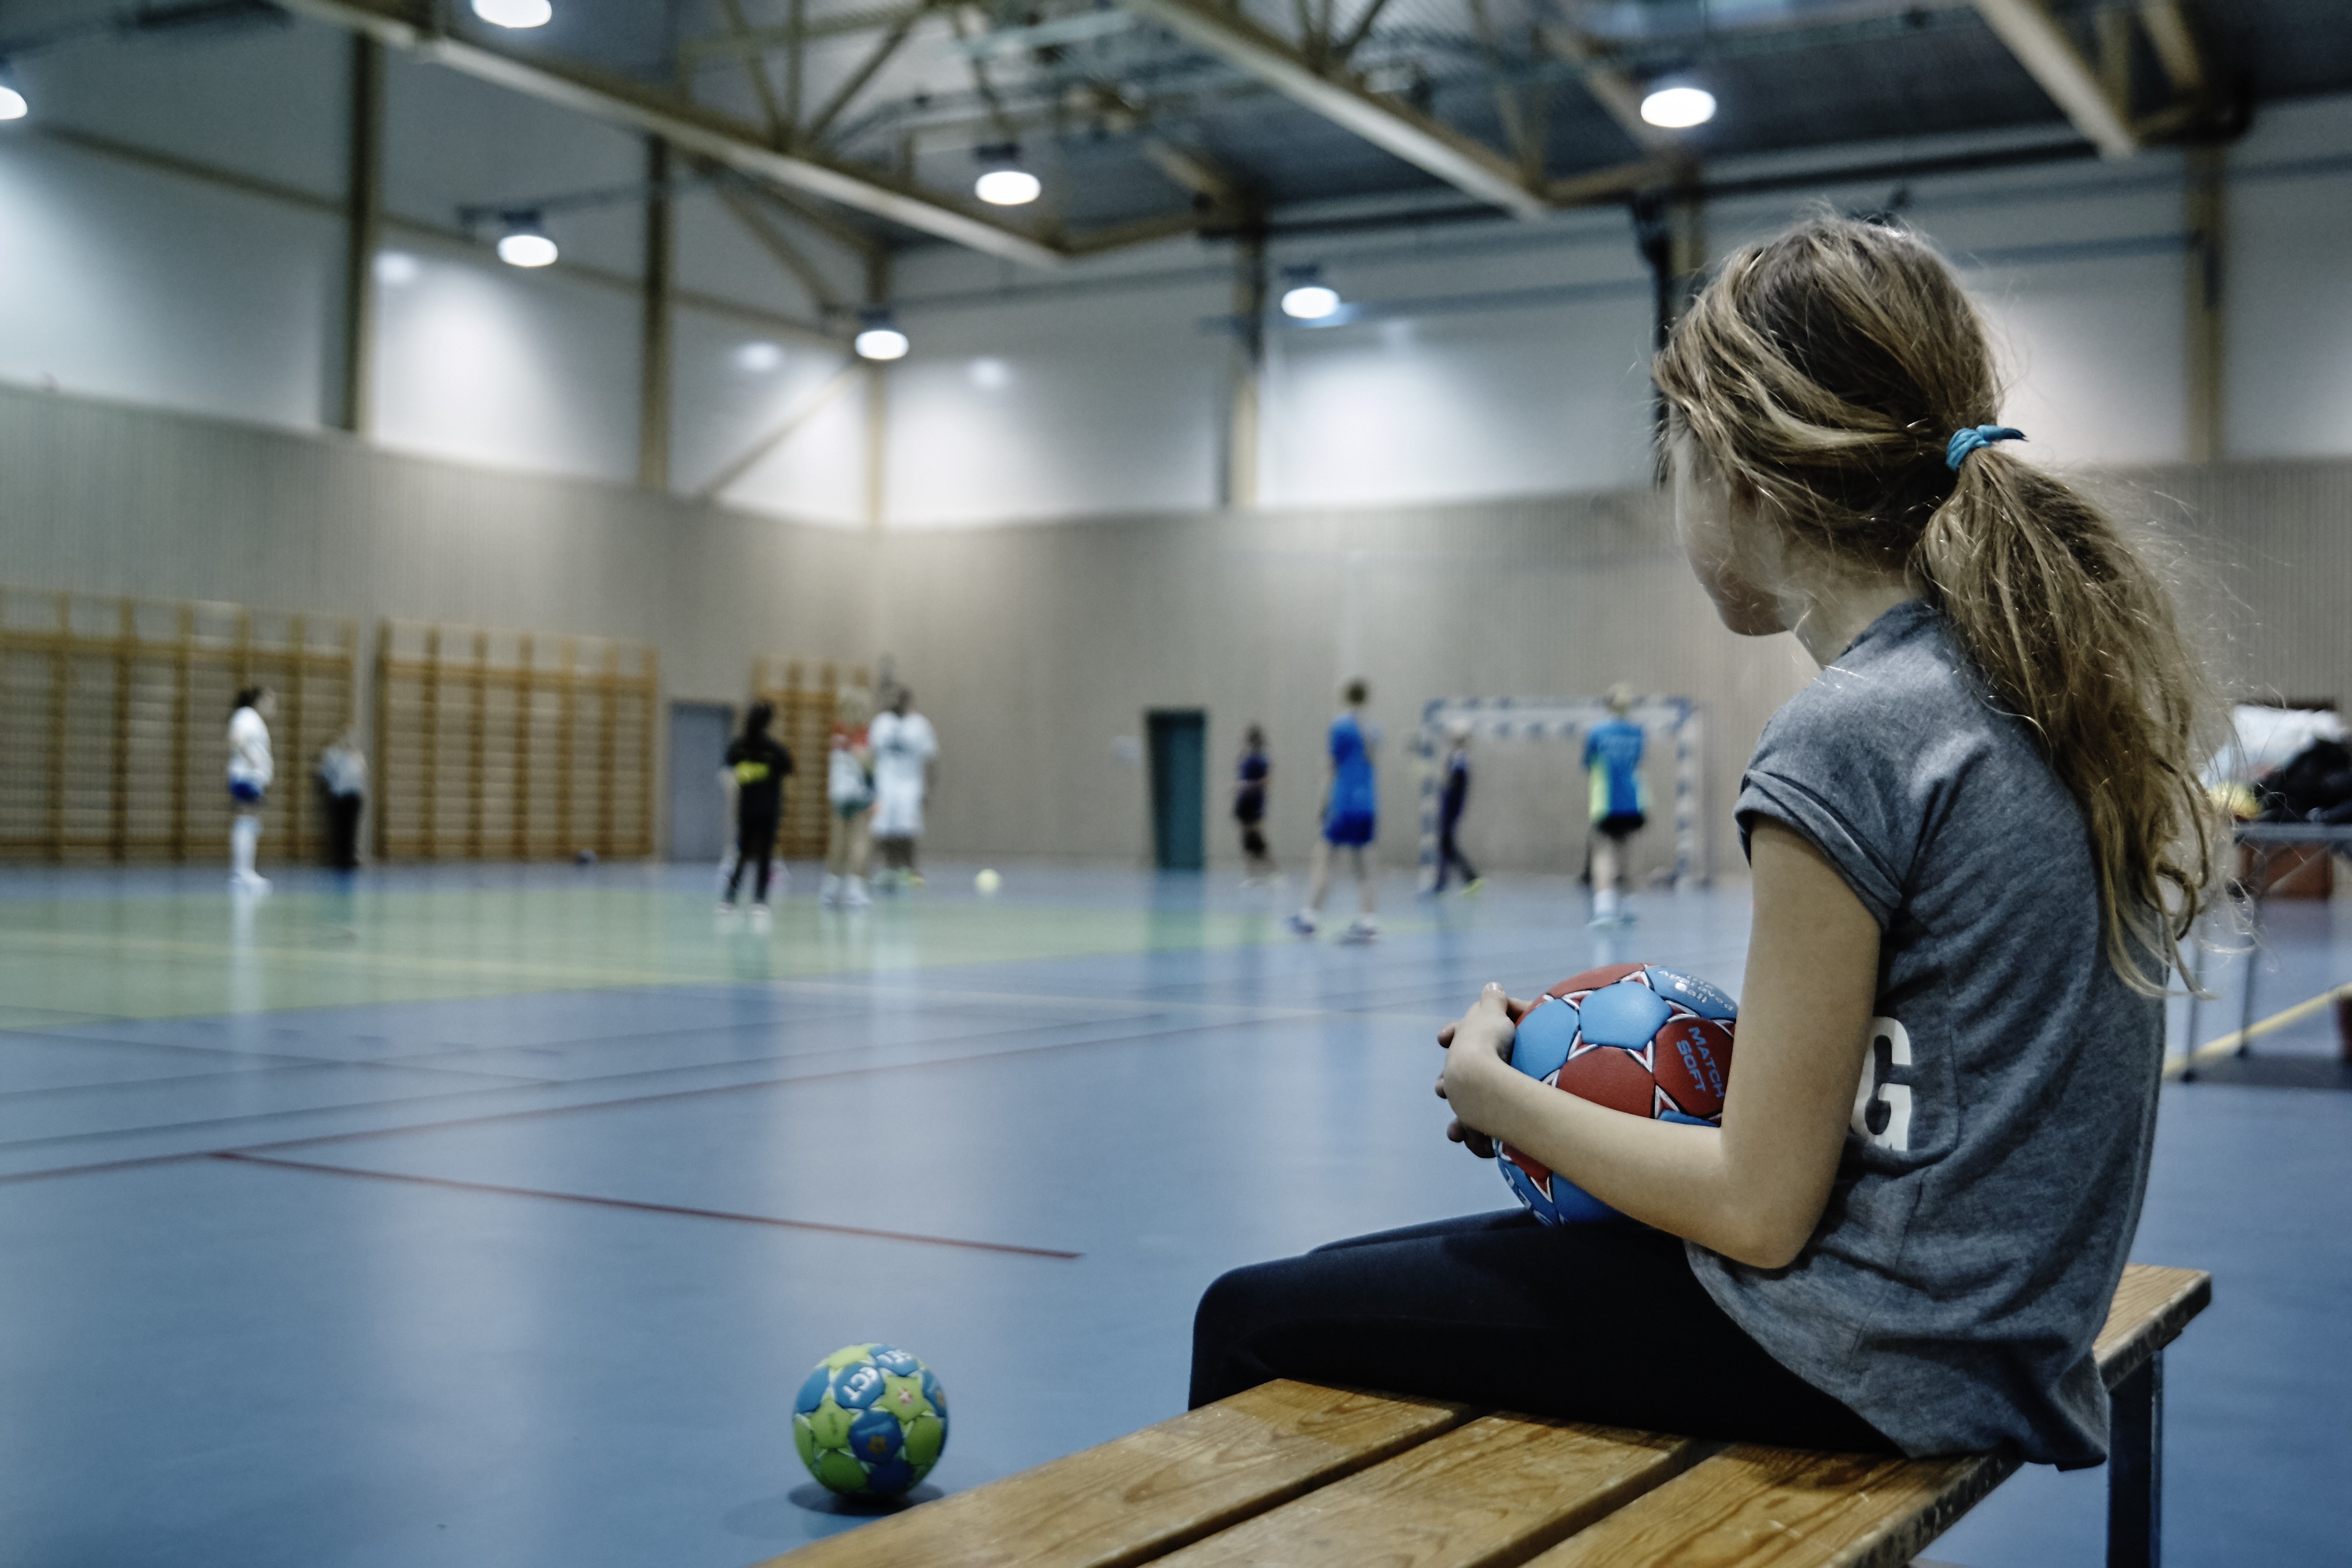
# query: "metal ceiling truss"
1313,71
2097,94
800,156
794,160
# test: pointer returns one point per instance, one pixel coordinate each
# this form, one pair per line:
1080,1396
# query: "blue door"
1180,757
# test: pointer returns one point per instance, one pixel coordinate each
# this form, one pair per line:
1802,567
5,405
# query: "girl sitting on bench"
1977,841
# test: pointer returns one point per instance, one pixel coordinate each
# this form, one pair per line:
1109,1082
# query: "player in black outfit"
759,764
1449,817
1249,804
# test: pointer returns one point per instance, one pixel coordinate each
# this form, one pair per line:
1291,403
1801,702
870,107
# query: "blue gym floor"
493,1217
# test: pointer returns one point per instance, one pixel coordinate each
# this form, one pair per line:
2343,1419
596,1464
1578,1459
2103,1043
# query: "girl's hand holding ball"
1477,1075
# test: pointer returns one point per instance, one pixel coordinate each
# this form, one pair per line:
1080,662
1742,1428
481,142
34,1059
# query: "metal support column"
363,221
1670,230
2135,1468
2208,222
653,372
1242,424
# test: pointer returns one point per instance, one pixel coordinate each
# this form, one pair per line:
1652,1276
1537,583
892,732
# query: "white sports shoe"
760,916
1364,928
1303,924
247,882
853,896
830,892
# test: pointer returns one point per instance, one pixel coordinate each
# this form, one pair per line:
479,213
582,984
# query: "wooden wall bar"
116,717
500,745
806,696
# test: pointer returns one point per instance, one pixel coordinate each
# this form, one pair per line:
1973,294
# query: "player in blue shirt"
1350,818
1612,761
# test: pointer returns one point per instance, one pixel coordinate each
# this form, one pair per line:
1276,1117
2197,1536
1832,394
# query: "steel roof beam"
2176,45
2043,46
690,126
1426,143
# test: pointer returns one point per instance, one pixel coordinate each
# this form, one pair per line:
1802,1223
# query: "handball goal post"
1565,720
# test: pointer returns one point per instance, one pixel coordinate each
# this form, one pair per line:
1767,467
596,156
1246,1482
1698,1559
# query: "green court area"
172,954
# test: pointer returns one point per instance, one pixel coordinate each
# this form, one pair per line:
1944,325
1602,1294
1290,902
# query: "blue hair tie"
1963,442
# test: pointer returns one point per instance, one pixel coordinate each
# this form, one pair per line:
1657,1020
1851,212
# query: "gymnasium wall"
108,498
1453,486
1035,649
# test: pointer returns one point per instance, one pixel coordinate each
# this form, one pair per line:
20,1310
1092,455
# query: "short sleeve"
1845,843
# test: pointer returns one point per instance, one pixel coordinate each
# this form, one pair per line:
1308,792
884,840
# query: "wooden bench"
1305,1476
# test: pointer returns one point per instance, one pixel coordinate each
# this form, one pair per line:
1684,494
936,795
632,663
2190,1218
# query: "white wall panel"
1458,405
119,282
2079,270
2094,355
2288,385
1488,360
1034,410
489,365
733,386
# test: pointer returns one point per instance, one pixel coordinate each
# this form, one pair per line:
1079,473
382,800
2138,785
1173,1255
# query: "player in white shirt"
903,746
250,772
849,805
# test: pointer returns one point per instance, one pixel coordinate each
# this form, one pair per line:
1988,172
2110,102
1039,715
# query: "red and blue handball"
1635,1037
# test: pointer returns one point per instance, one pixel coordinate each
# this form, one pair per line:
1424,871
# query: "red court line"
648,1208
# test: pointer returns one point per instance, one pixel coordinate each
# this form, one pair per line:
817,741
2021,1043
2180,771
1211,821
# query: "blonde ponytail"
1826,371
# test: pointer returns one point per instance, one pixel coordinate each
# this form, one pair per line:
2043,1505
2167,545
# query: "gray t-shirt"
1992,1174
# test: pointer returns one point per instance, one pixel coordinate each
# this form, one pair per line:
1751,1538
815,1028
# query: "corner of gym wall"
108,498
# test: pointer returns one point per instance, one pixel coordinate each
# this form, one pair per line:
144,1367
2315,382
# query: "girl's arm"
1753,1190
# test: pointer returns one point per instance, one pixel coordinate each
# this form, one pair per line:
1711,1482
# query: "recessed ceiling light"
514,13
525,243
1008,187
1678,108
1310,302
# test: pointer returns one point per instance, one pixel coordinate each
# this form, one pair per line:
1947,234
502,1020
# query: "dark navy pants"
1593,1322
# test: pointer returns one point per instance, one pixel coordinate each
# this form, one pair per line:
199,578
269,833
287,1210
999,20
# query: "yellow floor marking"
2175,1066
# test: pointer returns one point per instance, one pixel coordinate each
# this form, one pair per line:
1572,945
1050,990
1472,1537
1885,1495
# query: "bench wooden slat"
1497,1490
1143,1495
1786,1508
1777,1507
2152,1305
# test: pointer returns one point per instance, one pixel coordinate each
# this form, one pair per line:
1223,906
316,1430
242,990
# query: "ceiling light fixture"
12,97
1308,298
1003,181
1677,106
879,338
525,243
514,13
